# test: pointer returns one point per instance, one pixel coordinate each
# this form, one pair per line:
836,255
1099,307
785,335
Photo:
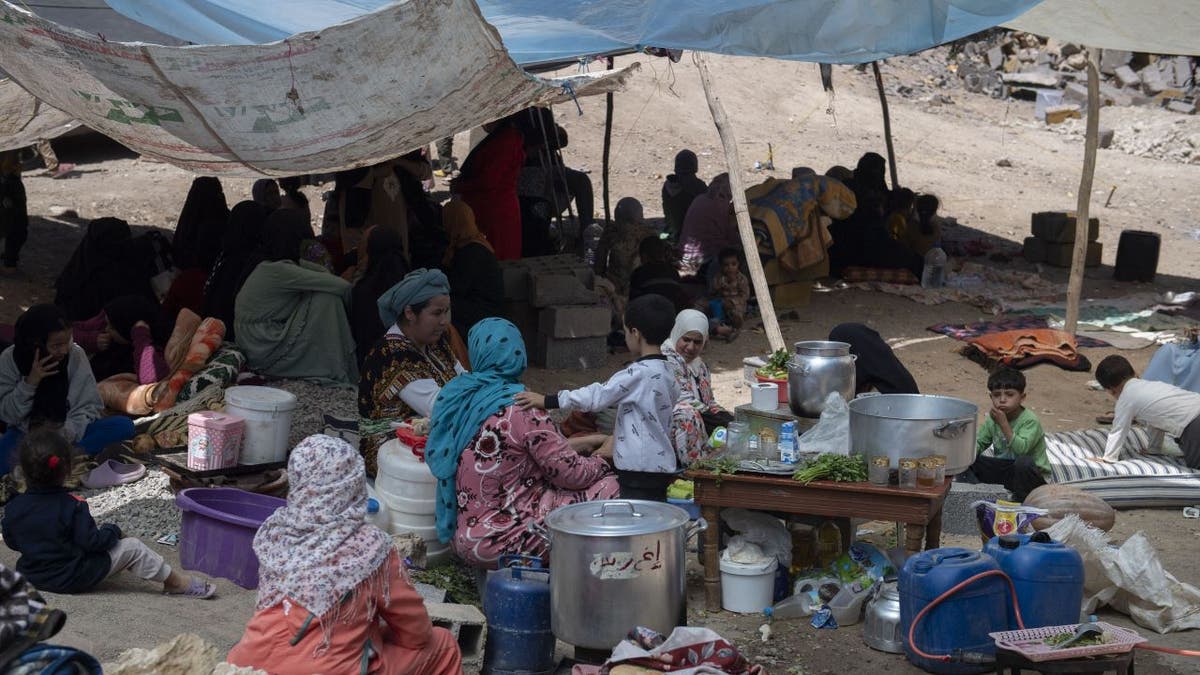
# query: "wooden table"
919,509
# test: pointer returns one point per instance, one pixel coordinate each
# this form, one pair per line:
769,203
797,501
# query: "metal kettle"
881,624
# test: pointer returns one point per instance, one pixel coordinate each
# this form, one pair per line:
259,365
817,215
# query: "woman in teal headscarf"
498,467
404,371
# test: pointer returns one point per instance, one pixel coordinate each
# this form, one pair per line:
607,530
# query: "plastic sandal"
112,473
197,588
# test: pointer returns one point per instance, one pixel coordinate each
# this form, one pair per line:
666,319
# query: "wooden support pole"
1079,255
608,121
887,125
757,277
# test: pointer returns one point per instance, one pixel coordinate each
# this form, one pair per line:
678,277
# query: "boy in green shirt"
1018,460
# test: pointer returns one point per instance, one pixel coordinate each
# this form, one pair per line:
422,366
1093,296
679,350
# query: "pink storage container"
214,440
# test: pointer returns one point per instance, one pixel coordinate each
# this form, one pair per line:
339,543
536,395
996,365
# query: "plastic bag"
832,431
739,550
763,529
998,518
1130,579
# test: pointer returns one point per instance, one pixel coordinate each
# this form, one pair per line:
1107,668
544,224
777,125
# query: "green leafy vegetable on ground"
828,466
776,368
455,578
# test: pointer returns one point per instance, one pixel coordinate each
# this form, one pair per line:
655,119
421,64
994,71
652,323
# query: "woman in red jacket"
488,184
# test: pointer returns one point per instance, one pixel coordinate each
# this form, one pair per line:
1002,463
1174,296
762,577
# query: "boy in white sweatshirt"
1163,407
644,393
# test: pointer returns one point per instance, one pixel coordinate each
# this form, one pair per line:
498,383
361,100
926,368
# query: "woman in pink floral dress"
516,471
501,468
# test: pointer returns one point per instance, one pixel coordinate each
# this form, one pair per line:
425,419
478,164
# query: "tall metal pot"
616,564
914,425
818,368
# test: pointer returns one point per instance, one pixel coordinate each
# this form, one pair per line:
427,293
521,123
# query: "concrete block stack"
552,301
1053,240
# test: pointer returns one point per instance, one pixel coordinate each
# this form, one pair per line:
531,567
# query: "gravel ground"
316,401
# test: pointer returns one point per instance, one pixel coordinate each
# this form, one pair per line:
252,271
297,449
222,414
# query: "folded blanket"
1024,348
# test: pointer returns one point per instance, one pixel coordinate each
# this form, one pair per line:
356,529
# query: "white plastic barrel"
268,416
405,485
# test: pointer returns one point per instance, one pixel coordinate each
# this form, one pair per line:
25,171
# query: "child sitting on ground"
1163,407
644,393
1018,460
731,288
62,550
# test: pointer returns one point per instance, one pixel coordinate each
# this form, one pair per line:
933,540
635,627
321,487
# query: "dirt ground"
948,144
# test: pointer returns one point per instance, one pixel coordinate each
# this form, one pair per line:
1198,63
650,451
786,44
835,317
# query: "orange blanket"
1026,347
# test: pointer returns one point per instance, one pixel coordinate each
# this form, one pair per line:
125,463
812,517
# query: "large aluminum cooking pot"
817,369
914,425
616,564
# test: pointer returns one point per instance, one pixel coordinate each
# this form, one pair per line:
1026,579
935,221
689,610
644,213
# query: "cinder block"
1058,227
1182,70
466,623
958,516
516,282
1110,95
575,321
1060,255
588,352
1034,249
1075,92
1127,77
1181,106
1111,59
559,288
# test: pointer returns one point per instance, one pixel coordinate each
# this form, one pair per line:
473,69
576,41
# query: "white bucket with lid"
747,588
268,416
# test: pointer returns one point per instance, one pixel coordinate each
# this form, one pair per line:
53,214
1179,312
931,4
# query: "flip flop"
112,473
196,588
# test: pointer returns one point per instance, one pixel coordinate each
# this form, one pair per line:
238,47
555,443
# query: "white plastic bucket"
268,416
747,588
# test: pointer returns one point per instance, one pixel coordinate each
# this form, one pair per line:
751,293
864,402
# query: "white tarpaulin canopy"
1154,26
349,95
24,120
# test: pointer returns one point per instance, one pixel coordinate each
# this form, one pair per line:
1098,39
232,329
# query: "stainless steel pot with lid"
616,564
816,369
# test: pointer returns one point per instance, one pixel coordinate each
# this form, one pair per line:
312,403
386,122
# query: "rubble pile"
1023,65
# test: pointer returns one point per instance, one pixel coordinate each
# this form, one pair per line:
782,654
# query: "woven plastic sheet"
24,120
349,95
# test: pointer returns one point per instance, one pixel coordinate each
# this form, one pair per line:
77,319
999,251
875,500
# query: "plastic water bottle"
934,273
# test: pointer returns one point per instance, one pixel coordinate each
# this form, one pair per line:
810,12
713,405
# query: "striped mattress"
1137,481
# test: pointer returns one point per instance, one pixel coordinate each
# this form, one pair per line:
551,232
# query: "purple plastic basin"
218,530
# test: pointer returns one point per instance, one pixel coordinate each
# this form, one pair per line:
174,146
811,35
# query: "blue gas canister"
516,604
1048,577
962,621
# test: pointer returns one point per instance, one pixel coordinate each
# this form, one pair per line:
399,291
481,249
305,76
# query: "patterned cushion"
1137,481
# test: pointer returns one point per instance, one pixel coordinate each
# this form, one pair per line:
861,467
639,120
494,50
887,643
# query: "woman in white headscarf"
683,349
333,594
